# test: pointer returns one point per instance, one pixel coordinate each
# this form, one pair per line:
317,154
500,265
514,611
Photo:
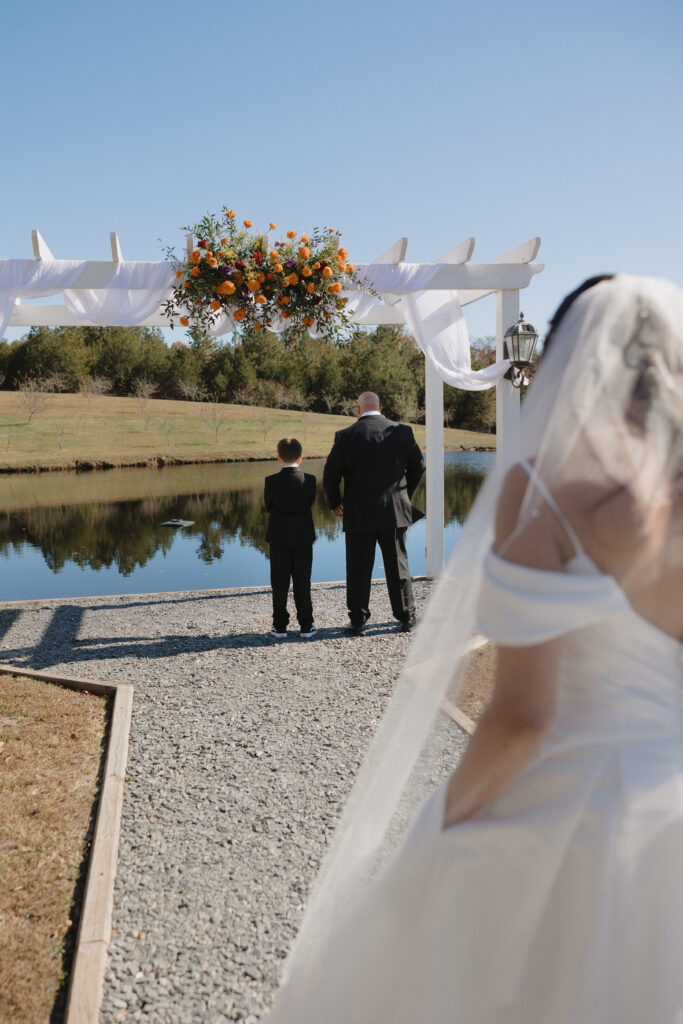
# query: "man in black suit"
380,464
289,496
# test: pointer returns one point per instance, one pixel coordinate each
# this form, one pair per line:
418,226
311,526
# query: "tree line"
263,369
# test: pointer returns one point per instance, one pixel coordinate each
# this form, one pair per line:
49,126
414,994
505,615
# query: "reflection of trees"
127,534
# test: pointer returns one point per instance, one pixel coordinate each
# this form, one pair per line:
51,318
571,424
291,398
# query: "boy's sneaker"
278,636
309,632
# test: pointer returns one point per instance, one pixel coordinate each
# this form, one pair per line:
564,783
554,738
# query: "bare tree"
166,426
142,391
192,391
246,396
214,414
329,401
348,406
32,396
93,387
55,382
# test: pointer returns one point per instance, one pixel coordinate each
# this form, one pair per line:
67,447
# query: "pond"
85,534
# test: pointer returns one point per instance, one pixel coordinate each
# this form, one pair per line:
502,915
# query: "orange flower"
331,230
310,288
271,277
306,272
178,273
273,254
260,276
253,285
224,241
327,271
195,271
209,254
273,227
184,321
317,266
260,299
212,261
221,253
225,288
239,314
343,253
198,302
293,279
230,213
341,267
277,267
195,256
304,252
327,316
285,315
257,327
305,239
186,284
247,223
283,300
341,303
291,234
308,321
215,304
349,268
335,288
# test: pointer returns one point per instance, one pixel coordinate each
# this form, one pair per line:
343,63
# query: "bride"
539,883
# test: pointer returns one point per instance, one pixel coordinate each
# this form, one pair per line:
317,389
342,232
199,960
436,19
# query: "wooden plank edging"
86,983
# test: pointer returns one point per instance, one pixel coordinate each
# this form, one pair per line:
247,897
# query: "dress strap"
571,532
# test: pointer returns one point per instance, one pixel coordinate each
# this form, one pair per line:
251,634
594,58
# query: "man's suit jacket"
381,464
289,496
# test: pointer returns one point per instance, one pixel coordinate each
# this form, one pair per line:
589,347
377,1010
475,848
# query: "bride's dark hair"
564,306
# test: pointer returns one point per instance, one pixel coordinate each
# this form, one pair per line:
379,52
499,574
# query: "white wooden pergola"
505,277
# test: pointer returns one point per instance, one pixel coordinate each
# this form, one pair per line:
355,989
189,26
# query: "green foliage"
292,371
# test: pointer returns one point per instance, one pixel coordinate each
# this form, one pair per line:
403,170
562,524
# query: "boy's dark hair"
289,449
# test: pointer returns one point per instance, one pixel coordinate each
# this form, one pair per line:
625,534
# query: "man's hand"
338,511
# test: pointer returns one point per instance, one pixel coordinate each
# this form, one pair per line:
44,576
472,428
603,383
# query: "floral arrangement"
293,283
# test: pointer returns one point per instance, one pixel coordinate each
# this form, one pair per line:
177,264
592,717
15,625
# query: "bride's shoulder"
538,540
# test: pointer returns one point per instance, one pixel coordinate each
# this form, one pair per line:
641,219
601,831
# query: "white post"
507,397
435,470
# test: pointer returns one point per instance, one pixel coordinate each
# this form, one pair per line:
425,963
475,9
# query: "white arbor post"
507,397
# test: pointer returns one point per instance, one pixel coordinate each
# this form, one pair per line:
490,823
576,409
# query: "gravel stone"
242,751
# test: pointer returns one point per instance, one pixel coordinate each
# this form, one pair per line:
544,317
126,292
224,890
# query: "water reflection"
83,539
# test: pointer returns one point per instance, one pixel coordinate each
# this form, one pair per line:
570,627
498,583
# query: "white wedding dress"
560,902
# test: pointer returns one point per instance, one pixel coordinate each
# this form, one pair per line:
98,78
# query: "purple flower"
225,271
290,263
243,289
278,244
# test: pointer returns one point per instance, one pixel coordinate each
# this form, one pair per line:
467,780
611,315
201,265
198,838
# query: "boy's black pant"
291,561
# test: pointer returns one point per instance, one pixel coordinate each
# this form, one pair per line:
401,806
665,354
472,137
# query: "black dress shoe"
355,630
408,624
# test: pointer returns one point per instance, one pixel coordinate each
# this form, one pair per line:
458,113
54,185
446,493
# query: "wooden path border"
86,982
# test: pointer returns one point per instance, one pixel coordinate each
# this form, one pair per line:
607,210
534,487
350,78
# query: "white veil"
602,421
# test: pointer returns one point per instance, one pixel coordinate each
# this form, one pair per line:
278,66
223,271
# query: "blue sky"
381,118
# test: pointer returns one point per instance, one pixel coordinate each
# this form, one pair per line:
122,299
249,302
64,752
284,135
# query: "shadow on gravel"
60,641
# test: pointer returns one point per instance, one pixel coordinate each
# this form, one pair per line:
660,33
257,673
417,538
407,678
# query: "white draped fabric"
436,320
30,279
134,291
434,317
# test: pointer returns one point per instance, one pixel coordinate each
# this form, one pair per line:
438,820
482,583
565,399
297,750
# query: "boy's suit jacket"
289,497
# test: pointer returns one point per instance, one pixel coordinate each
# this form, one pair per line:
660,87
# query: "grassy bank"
74,431
50,749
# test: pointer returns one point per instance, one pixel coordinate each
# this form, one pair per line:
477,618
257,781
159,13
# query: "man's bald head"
368,402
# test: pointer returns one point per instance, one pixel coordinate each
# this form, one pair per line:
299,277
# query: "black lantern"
520,342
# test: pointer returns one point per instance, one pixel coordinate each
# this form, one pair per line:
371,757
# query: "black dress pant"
291,562
360,559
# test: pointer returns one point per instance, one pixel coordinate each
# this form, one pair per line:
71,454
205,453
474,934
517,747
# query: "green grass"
72,430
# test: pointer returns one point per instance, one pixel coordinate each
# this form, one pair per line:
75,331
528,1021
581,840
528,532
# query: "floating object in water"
179,522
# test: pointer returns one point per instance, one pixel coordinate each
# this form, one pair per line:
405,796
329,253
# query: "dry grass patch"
51,745
477,686
103,430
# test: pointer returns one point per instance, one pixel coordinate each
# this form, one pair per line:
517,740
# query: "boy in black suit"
289,497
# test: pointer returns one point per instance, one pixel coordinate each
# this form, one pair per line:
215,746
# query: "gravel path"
242,751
